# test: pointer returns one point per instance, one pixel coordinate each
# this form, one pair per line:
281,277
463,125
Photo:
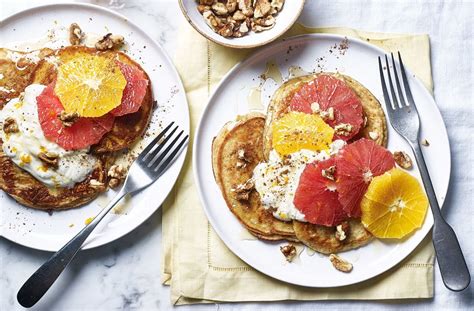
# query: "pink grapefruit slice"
82,134
316,196
327,92
357,163
134,91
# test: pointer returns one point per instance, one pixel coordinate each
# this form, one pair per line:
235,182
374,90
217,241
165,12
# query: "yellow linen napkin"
197,264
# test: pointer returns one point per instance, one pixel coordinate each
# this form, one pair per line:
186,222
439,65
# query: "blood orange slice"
316,196
82,134
357,164
134,91
335,101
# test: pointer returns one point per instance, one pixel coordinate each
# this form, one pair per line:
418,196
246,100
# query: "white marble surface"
125,274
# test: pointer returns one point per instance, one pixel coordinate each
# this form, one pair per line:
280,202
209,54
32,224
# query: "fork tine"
150,156
405,82
397,81
386,97
153,164
392,89
172,155
154,141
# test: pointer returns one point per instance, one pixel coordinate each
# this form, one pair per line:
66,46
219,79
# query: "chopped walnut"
94,183
373,135
10,126
315,107
262,24
68,118
329,173
239,16
235,18
342,231
220,8
242,191
109,42
116,175
340,264
277,4
246,7
203,8
328,114
262,8
289,251
51,159
402,159
231,6
75,34
425,142
343,129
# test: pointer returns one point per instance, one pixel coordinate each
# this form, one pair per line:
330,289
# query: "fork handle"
452,265
40,281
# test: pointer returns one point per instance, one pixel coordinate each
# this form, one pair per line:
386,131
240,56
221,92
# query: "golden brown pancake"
16,69
128,128
27,190
21,185
245,135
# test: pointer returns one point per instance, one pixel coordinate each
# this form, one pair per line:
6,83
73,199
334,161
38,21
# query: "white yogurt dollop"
277,180
24,146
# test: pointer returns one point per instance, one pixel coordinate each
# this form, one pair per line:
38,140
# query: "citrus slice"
394,205
326,93
134,91
297,130
316,195
357,163
90,85
82,134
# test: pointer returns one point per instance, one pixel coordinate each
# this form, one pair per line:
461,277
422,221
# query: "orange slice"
394,205
298,130
91,85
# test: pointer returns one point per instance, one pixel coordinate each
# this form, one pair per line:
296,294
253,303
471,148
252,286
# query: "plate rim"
178,161
256,54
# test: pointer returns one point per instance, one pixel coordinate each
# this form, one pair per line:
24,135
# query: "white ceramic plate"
284,20
38,229
312,52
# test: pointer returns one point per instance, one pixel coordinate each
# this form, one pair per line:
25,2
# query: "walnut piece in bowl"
241,23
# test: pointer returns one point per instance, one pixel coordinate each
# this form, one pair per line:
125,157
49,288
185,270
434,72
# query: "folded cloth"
198,265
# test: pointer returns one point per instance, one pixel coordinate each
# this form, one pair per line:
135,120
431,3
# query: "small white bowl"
284,20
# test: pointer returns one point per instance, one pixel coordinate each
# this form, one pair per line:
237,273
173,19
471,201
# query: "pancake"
127,129
279,105
245,135
16,69
40,67
323,239
27,190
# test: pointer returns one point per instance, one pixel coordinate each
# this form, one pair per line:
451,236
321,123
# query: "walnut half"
289,251
109,42
10,126
117,174
68,118
340,264
75,34
242,191
402,159
51,159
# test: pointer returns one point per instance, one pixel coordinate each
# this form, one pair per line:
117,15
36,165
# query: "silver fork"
145,170
404,119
